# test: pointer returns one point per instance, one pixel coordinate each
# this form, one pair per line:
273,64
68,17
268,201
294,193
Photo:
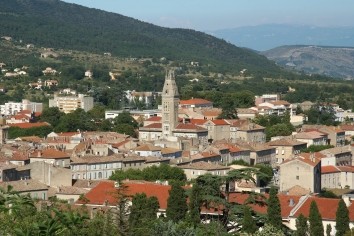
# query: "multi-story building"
69,104
303,170
11,108
286,148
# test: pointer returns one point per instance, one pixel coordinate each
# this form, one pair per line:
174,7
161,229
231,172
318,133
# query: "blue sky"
207,15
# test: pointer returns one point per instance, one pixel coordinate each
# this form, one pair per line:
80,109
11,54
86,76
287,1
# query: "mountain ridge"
53,23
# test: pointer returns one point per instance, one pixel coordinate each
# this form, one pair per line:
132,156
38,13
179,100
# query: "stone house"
193,170
32,187
303,170
51,156
337,156
286,148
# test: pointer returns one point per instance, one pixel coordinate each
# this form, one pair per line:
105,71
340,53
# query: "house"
337,177
50,83
50,174
312,138
195,103
218,129
246,113
336,136
51,156
247,131
7,171
12,108
193,170
266,98
102,167
148,150
70,193
69,104
286,148
34,188
304,170
259,153
49,71
337,156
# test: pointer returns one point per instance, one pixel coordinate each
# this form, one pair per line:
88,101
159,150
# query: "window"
297,177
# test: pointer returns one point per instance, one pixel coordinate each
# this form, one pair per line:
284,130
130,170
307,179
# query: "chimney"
39,153
291,202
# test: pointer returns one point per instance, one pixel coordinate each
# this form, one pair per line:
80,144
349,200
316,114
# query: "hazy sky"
220,14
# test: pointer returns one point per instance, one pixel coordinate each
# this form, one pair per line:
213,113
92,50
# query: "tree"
248,224
301,226
143,212
273,209
176,203
51,115
328,230
342,219
315,220
269,230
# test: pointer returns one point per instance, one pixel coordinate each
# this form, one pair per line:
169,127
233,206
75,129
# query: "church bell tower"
170,100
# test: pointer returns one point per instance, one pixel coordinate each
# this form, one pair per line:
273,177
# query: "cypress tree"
328,230
273,210
342,218
248,224
301,226
315,219
176,203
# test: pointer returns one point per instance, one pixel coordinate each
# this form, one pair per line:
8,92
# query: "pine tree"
194,205
301,226
273,210
328,230
315,219
342,219
248,224
176,203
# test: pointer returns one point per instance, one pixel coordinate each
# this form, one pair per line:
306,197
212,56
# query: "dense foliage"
153,173
273,209
176,203
315,220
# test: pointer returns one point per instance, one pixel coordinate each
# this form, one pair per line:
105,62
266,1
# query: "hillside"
266,37
330,61
56,24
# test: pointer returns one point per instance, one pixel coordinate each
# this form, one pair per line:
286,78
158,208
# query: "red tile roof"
198,121
153,126
105,192
190,127
220,122
154,118
50,153
326,206
329,169
29,125
195,101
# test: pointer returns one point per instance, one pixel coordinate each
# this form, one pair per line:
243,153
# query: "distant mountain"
330,61
265,37
53,23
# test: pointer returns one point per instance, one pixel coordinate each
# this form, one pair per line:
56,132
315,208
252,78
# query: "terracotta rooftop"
70,190
29,125
147,147
168,150
25,185
189,128
311,159
310,135
154,118
280,102
106,193
195,101
152,126
285,142
49,153
336,150
219,122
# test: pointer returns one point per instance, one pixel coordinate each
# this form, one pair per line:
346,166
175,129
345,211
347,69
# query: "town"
85,167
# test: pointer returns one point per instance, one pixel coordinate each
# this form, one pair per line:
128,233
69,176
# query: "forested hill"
53,23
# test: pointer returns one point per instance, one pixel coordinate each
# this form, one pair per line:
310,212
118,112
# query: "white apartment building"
11,108
69,104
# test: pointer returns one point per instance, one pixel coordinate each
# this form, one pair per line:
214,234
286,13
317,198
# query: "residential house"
247,131
51,156
195,103
32,187
304,170
337,156
312,138
336,136
193,170
259,153
102,167
50,175
218,129
286,148
148,150
337,177
69,104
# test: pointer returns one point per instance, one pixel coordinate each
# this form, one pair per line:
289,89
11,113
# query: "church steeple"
170,100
